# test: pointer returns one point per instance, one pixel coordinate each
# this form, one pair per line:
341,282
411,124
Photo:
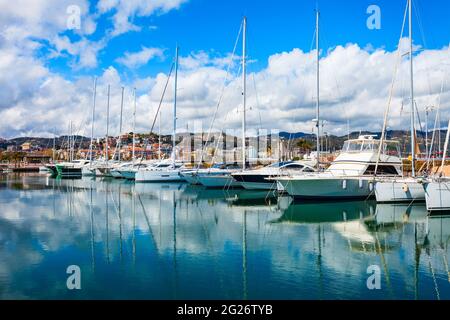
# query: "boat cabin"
359,157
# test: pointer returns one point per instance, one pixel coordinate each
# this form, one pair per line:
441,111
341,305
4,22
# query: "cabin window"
382,169
294,166
308,170
352,146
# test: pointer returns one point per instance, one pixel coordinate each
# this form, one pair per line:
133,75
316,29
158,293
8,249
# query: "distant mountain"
295,135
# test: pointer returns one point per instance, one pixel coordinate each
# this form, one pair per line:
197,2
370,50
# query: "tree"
305,145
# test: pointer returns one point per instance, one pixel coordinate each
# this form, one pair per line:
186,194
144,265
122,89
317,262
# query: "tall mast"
134,125
318,89
70,141
107,128
54,146
159,136
175,108
244,88
93,120
120,124
413,131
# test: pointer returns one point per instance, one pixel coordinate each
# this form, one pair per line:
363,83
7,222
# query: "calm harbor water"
175,241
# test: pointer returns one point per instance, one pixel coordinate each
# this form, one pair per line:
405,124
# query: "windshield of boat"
279,164
391,148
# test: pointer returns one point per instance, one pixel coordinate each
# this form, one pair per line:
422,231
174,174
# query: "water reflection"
175,241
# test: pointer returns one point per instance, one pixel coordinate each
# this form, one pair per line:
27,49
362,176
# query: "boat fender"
344,184
370,186
361,183
405,187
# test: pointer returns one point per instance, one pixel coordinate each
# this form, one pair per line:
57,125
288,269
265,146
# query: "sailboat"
88,169
163,172
221,177
403,189
350,174
73,167
437,187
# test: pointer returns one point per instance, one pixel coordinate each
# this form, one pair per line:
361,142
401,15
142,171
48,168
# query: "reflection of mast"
319,259
383,261
244,255
92,232
428,252
107,222
120,220
417,252
148,222
175,244
159,218
133,212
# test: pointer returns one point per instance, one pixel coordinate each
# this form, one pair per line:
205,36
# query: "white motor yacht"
258,179
165,171
350,175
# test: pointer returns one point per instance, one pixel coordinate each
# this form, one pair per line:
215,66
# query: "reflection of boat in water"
153,187
202,193
253,198
400,212
326,212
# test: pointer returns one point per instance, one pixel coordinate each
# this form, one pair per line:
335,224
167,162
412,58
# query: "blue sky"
48,70
273,26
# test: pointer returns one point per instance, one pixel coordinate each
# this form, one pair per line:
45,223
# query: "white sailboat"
221,178
88,170
403,189
165,172
437,187
101,167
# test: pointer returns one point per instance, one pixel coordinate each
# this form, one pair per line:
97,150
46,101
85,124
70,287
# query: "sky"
51,51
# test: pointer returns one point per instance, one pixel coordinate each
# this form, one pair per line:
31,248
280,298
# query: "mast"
134,126
244,88
107,128
54,147
175,108
413,131
120,124
93,120
70,141
159,136
318,89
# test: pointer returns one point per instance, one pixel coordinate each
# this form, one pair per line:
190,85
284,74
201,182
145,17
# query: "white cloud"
354,86
137,59
125,11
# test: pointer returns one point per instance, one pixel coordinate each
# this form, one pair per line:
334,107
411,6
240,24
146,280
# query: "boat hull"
399,191
255,181
116,174
437,195
66,171
158,176
52,169
191,178
88,172
217,181
328,188
128,174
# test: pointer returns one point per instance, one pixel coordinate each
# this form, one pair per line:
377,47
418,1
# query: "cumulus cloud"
137,59
354,83
125,11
